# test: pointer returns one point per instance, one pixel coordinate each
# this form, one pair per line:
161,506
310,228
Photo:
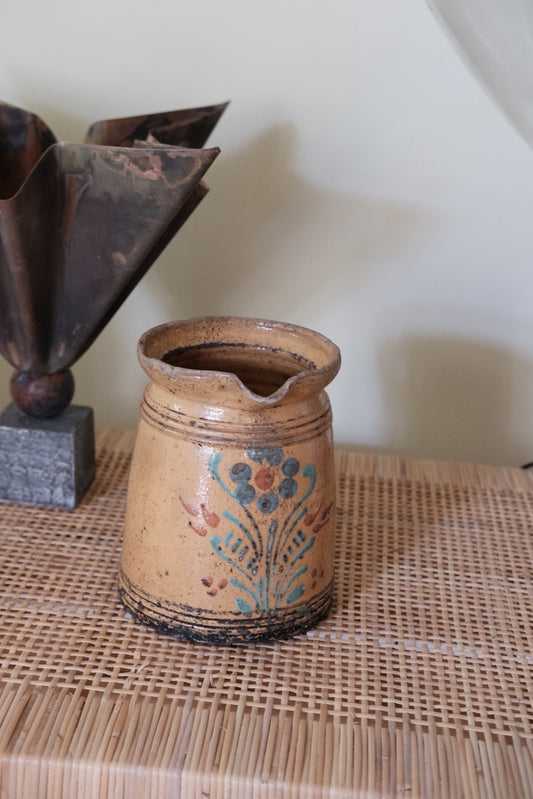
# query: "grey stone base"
47,462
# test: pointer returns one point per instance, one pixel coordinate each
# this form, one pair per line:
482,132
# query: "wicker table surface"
420,683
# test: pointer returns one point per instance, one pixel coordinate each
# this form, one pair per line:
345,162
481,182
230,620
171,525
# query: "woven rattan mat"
420,683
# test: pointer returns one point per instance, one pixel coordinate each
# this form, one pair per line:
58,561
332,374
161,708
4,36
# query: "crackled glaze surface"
229,525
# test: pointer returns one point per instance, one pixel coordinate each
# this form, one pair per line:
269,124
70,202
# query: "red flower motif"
211,518
198,529
189,508
264,479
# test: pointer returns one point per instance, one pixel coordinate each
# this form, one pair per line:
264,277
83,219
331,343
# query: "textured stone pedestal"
48,462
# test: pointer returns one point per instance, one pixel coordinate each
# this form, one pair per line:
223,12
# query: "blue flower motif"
288,488
240,473
272,455
267,503
246,549
244,493
290,467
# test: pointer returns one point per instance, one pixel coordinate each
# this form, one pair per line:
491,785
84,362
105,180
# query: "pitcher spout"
254,361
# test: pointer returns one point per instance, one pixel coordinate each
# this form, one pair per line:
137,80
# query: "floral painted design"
272,528
203,517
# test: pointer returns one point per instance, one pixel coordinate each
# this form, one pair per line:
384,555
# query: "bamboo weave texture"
419,684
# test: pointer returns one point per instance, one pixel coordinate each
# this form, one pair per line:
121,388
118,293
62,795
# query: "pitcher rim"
312,379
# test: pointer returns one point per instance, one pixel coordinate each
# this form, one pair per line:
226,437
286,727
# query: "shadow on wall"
458,400
266,242
263,243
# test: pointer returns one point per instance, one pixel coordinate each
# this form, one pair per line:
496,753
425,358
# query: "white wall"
366,187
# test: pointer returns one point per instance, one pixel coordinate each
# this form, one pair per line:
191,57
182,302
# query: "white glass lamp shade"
495,37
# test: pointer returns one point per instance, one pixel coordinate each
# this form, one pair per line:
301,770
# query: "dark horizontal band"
194,624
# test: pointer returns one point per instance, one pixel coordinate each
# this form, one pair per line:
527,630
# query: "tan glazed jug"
230,518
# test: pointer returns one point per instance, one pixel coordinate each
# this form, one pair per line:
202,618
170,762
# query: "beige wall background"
367,188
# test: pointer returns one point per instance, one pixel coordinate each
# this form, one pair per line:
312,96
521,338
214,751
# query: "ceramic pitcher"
229,525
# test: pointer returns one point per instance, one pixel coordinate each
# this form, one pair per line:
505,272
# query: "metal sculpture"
80,224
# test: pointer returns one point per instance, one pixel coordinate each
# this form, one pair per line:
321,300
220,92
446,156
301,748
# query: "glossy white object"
495,37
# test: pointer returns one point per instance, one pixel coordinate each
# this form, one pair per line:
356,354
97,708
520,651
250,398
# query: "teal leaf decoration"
295,594
242,587
243,606
280,556
237,584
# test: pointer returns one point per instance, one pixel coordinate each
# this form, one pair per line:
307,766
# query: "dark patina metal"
80,224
